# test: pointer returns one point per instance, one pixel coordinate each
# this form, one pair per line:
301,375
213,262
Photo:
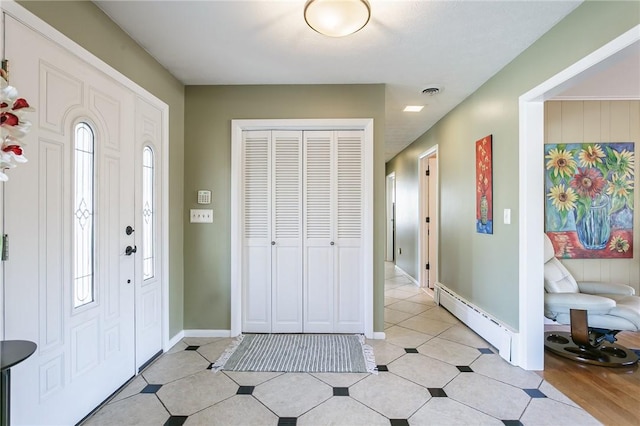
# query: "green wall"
88,26
208,114
484,268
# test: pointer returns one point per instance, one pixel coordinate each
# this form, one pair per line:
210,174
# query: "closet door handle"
273,243
332,243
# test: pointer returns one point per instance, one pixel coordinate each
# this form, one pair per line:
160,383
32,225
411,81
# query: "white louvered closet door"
286,272
348,256
333,228
302,249
256,250
318,217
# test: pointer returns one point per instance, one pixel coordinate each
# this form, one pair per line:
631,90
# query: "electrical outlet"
201,216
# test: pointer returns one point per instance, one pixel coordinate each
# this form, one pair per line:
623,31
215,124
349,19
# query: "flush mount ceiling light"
413,108
337,18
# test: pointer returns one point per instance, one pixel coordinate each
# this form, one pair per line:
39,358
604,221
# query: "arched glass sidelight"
83,215
148,214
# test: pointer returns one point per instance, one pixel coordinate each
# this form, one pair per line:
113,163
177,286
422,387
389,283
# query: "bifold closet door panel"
349,310
257,289
286,226
256,250
319,221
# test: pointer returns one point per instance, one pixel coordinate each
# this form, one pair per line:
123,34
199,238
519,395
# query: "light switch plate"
507,216
201,216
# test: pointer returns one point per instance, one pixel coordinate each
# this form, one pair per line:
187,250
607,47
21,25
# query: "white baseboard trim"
499,335
403,272
175,339
207,333
379,335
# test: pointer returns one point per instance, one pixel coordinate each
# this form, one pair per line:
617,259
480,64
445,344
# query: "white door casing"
78,348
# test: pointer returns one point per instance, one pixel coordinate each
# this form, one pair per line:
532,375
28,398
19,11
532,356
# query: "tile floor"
432,370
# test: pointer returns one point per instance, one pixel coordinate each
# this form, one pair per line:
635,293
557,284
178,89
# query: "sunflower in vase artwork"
589,190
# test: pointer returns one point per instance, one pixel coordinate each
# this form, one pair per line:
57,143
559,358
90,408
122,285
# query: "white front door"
69,284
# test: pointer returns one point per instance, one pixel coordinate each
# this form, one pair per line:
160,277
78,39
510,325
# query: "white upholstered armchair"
596,312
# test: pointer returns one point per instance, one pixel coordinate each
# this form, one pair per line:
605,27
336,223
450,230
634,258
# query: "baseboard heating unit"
491,330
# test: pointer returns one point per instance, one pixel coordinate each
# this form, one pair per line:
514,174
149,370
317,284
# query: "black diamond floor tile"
287,421
399,422
485,350
245,390
535,393
382,368
512,423
464,369
176,421
151,389
340,391
411,350
437,392
191,348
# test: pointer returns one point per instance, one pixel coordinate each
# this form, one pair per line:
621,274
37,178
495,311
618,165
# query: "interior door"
432,226
83,323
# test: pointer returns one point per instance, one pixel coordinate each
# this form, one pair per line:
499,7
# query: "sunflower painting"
589,199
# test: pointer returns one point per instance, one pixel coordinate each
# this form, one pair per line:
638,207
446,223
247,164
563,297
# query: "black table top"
13,352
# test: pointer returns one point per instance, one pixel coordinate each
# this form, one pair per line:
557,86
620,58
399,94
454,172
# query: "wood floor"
611,395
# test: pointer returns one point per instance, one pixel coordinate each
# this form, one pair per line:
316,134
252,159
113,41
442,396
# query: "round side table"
12,352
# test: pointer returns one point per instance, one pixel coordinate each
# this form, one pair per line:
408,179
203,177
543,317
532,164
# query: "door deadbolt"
129,230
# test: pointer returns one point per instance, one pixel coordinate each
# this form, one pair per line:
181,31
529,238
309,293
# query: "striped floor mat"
310,353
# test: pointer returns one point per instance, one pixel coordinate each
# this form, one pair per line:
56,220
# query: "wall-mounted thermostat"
204,197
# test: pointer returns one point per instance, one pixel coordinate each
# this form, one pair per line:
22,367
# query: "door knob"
332,243
130,250
273,243
129,230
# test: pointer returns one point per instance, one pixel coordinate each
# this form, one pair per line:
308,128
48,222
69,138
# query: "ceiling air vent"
432,90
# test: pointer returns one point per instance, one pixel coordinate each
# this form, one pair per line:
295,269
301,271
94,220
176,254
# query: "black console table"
12,352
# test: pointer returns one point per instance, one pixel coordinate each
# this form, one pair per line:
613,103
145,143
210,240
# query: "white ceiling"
408,45
616,78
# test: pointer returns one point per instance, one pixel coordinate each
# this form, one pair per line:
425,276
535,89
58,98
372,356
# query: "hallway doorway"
391,218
